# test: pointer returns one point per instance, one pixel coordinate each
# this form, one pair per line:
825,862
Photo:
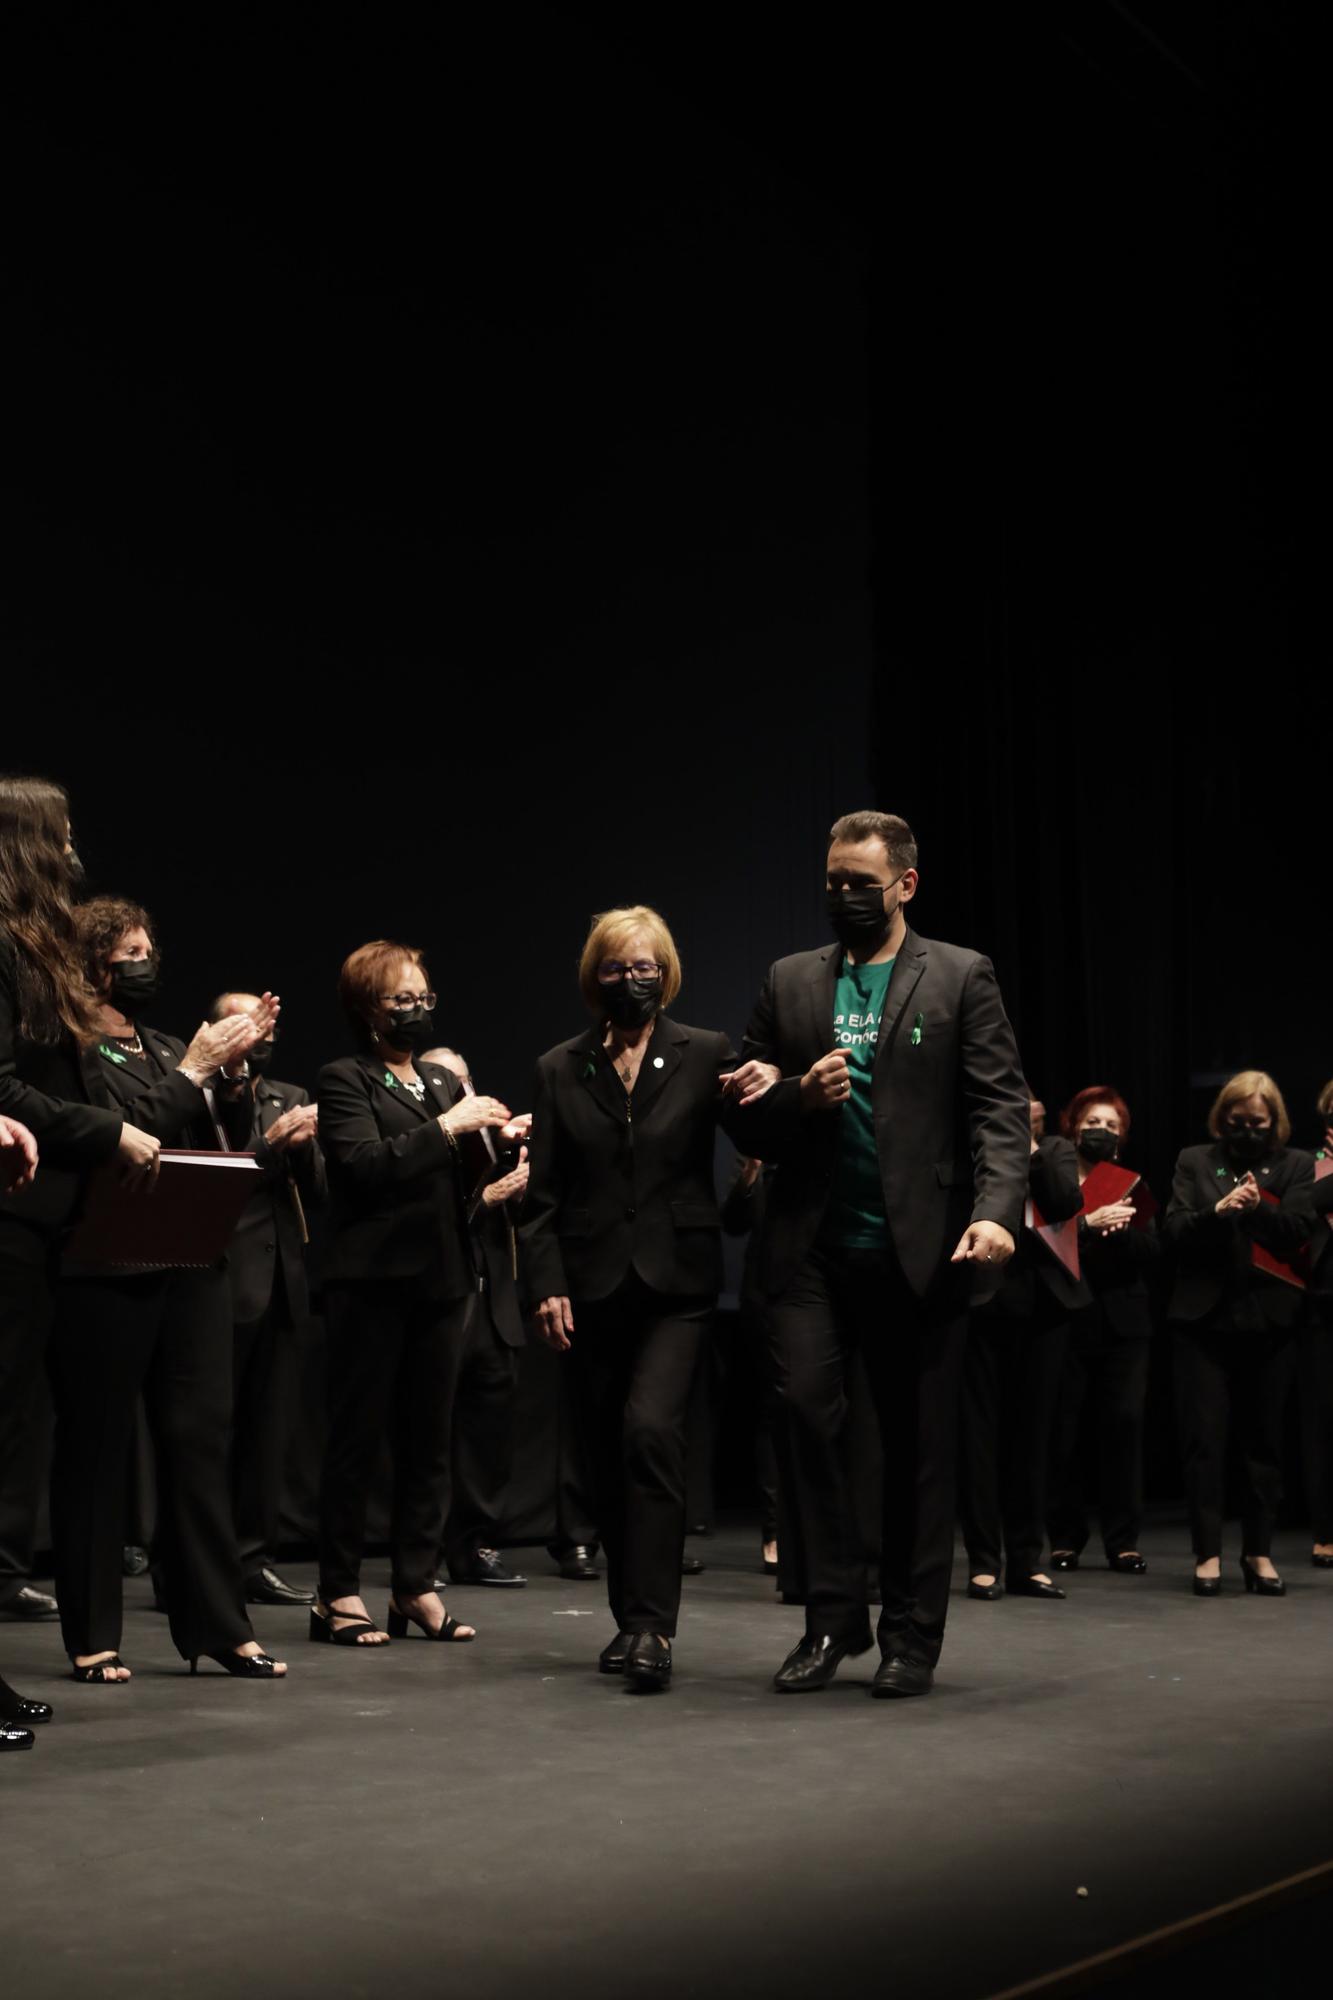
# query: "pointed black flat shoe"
813,1663
1261,1586
985,1593
611,1659
1028,1586
1127,1565
647,1667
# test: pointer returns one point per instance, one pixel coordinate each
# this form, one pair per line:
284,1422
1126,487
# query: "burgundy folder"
1291,1272
1060,1238
185,1223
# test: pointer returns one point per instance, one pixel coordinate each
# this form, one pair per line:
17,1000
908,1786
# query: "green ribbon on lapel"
112,1055
917,1025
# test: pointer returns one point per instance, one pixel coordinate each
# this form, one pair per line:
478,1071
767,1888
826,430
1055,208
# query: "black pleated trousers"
169,1335
264,1365
394,1358
1010,1381
483,1442
1316,1400
839,1301
632,1364
1231,1380
1099,1407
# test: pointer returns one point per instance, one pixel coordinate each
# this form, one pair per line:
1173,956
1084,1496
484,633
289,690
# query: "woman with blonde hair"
622,1256
1240,1213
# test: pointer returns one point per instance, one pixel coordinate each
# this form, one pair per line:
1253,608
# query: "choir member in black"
1109,1345
163,1333
47,1013
269,1296
483,1443
1316,1351
1015,1352
1234,1322
399,1281
18,1168
621,1254
743,1215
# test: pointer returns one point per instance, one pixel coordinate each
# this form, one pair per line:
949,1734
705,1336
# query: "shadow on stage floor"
498,1820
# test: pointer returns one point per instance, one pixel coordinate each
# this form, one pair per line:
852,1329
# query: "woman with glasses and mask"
48,1014
163,1333
621,1256
398,1283
1240,1212
1109,1346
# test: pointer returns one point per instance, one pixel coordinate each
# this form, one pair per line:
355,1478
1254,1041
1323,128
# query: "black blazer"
154,1095
268,1236
1034,1280
1118,1270
624,1180
43,1086
395,1191
951,1112
1215,1279
1321,1247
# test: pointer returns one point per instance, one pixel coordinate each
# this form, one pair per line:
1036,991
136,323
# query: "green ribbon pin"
391,1079
112,1055
917,1026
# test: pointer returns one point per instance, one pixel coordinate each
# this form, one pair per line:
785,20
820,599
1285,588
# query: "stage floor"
498,1819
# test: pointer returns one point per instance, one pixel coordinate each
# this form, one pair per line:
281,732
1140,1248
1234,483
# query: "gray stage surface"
498,1819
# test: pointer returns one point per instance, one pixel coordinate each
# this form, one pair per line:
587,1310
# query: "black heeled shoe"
985,1593
16,1708
1320,1562
245,1666
1261,1586
398,1621
96,1674
647,1666
1207,1586
325,1633
1127,1565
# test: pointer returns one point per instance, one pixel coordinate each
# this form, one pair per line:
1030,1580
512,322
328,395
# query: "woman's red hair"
1096,1093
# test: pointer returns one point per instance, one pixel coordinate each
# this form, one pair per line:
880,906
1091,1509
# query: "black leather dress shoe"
899,1675
267,1587
1127,1565
30,1603
813,1663
1028,1586
485,1566
576,1564
17,1711
611,1659
692,1565
13,1738
647,1667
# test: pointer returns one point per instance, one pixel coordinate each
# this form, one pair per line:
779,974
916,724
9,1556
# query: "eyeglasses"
407,1000
615,968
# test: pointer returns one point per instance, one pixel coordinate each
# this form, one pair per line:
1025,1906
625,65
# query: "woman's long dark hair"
35,908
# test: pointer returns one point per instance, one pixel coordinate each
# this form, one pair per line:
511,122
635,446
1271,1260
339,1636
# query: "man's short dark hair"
897,836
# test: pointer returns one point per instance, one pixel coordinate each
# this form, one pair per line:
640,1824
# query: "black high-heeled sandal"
398,1622
1262,1586
325,1632
245,1666
15,1707
96,1674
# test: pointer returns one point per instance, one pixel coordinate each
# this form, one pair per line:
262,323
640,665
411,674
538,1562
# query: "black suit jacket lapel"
907,970
666,1046
821,991
386,1081
594,1074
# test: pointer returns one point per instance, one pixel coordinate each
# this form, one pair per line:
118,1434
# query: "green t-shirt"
855,1215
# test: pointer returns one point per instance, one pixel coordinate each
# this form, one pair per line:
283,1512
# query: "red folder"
1323,1165
1060,1238
185,1223
1278,1267
1107,1183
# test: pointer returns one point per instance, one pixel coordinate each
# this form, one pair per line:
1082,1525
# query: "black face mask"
75,873
629,1003
260,1058
858,918
134,985
1245,1144
410,1028
1098,1142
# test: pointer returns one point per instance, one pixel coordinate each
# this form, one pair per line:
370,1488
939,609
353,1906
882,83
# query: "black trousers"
483,1441
1105,1380
1010,1380
393,1365
913,1360
25,1321
1316,1399
632,1363
1233,1381
169,1335
264,1362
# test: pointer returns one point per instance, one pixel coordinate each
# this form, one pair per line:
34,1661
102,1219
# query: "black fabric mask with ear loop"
629,1002
260,1058
410,1028
858,917
1098,1142
134,985
1245,1144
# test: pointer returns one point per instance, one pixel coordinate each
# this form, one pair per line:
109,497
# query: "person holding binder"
165,1333
1316,1350
47,1013
1239,1220
399,1281
621,1254
1110,1342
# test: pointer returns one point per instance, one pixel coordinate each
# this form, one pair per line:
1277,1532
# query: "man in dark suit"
899,1134
270,1298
